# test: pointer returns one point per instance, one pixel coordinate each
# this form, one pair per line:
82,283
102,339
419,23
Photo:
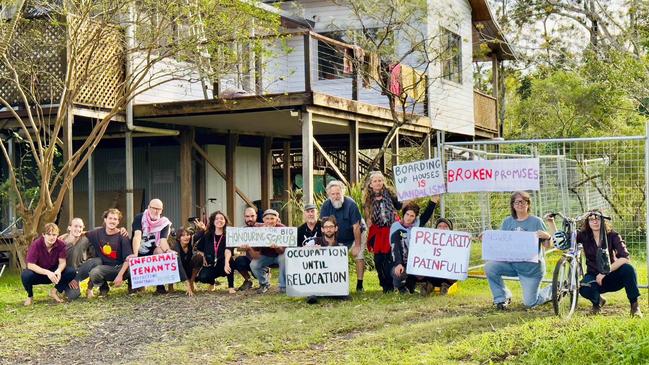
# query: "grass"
373,328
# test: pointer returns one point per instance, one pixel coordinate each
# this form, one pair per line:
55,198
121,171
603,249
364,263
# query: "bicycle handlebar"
578,218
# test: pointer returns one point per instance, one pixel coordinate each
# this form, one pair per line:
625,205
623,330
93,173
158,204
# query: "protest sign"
154,270
317,271
419,179
510,246
493,175
439,253
261,236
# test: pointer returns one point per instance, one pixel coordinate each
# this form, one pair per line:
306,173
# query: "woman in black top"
217,258
185,249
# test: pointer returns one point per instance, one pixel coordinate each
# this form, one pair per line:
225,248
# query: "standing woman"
380,209
217,259
530,274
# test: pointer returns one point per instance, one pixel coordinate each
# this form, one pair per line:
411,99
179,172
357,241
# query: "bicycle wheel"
576,273
563,293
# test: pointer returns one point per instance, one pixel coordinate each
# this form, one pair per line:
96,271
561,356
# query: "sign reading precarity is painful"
439,253
261,236
317,271
493,175
510,246
419,179
154,270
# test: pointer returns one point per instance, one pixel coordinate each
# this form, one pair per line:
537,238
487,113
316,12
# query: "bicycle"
568,272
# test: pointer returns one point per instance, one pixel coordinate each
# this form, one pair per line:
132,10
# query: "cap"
309,207
271,212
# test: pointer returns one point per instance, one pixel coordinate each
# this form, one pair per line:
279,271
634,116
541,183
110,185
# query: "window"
451,56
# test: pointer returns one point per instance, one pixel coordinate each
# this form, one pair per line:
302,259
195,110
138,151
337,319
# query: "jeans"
100,275
258,267
208,274
241,264
83,272
530,275
624,277
383,264
30,278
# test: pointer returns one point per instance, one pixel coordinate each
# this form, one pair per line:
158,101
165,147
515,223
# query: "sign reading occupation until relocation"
510,246
493,175
419,179
261,236
153,270
317,271
439,253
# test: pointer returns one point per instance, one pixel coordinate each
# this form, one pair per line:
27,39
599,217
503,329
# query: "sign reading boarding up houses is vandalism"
153,270
439,253
493,175
510,246
419,179
261,236
317,271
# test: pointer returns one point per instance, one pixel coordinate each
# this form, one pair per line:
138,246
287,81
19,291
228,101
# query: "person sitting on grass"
185,249
400,240
214,259
442,284
46,264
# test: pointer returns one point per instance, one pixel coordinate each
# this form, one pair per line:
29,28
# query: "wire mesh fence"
577,175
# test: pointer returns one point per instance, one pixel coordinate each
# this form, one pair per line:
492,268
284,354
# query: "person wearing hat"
264,257
311,228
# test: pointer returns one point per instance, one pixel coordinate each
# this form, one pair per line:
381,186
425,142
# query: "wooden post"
128,162
266,172
395,149
307,62
307,156
230,183
91,192
356,82
186,196
352,154
68,203
495,89
428,154
288,186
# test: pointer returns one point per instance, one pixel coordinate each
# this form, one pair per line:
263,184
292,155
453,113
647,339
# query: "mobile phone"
192,219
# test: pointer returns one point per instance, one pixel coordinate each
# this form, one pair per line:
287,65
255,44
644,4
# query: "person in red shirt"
46,263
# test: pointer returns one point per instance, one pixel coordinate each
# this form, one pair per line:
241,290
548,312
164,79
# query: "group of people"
102,254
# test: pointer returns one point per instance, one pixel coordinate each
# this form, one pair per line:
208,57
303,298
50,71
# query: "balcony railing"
485,113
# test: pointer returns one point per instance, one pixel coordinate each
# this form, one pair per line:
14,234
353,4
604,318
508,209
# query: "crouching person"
213,258
46,265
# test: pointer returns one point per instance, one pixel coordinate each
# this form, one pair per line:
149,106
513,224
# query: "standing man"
311,227
81,256
114,250
348,217
264,257
242,262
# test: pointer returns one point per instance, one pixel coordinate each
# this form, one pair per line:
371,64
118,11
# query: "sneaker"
444,289
635,310
103,290
312,300
282,290
598,307
504,305
263,289
247,284
426,289
160,289
403,290
359,288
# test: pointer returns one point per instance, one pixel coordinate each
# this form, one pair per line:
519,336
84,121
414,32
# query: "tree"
164,41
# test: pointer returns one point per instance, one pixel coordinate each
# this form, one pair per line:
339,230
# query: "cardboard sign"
510,246
261,236
493,175
317,271
154,270
439,253
419,179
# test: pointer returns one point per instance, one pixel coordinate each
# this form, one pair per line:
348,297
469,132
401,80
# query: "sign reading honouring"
510,246
439,253
493,175
419,179
317,271
153,270
261,236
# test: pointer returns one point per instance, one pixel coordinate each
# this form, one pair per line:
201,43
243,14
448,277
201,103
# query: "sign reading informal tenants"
510,246
493,175
261,236
419,179
153,270
317,271
439,253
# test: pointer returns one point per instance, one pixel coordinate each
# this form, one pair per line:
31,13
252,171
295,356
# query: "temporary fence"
576,175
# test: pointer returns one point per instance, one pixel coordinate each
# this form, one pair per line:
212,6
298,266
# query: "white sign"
317,271
419,179
261,236
154,270
493,175
439,253
510,246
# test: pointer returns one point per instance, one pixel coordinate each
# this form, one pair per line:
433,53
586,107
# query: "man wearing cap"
311,227
264,257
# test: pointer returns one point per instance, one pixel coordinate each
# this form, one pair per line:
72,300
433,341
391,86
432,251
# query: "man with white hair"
348,217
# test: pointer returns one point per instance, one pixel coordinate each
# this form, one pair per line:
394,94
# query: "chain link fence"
576,175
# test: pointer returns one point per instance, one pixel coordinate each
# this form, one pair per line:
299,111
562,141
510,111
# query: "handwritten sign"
317,271
261,236
510,246
419,179
439,253
154,270
493,175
